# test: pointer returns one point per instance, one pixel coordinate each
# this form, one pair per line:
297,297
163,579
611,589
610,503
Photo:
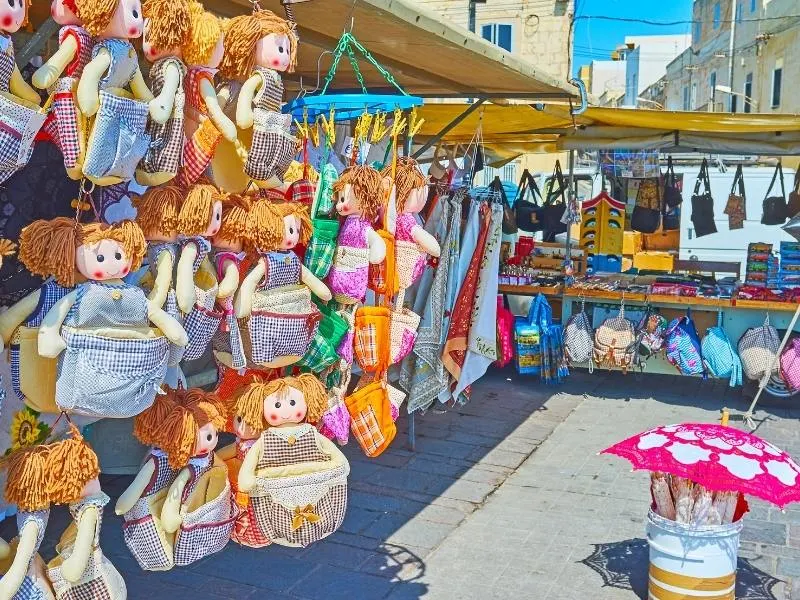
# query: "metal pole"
570,196
731,45
431,142
412,433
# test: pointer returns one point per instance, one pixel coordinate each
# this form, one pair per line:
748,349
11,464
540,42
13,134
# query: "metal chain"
354,63
337,56
343,46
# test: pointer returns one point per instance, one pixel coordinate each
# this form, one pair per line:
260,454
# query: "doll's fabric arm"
50,341
319,289
49,72
169,326
377,247
226,453
171,511
88,92
139,87
162,105
244,105
426,241
74,566
135,490
230,279
5,549
163,281
243,303
15,315
223,123
247,472
184,278
12,580
19,87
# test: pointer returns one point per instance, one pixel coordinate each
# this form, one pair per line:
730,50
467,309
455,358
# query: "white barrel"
692,562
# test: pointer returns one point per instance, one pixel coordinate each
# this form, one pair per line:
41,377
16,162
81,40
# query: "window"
777,76
748,92
686,105
697,32
752,6
693,97
498,34
717,15
739,11
734,103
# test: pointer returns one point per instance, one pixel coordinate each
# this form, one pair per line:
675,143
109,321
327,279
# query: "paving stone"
789,567
397,529
333,583
764,532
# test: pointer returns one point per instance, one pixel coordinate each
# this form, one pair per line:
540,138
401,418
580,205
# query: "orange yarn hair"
147,422
47,474
299,212
236,218
241,36
205,30
307,384
168,25
192,410
96,14
7,248
408,177
126,233
366,184
196,209
248,402
266,226
158,208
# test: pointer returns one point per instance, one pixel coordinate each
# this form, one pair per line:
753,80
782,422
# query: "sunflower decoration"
7,248
27,429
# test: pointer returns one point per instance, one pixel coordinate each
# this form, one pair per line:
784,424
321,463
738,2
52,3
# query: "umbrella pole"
748,416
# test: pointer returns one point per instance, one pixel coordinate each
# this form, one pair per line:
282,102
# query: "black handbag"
554,206
703,204
646,216
529,212
672,195
509,213
775,209
793,207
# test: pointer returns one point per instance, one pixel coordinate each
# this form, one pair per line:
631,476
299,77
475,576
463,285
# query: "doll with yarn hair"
205,122
63,472
358,197
412,241
275,296
60,74
258,48
114,361
166,30
115,146
295,476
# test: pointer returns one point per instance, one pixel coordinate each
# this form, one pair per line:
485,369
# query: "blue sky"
595,38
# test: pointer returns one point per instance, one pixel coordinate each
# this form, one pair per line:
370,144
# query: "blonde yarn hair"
266,226
147,422
169,21
366,184
408,177
236,223
205,30
158,208
96,14
196,209
177,433
299,212
243,33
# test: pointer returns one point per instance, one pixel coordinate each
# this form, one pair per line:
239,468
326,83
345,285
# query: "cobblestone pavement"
503,498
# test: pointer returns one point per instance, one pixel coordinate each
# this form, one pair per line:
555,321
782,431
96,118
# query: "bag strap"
497,188
797,181
671,171
738,178
558,176
778,171
527,183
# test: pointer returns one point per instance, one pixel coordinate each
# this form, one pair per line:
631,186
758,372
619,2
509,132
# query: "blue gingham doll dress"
119,139
35,586
100,580
103,376
204,319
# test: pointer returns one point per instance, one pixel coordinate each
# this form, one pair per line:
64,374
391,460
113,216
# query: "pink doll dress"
410,260
349,274
200,146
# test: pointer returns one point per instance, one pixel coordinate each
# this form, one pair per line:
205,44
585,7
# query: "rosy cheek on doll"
7,21
206,440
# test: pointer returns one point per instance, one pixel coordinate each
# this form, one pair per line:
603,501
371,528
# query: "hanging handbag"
736,208
554,206
646,216
758,350
703,204
775,209
505,333
509,212
672,193
793,208
528,212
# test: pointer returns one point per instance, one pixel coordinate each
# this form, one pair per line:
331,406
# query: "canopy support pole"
447,128
412,433
570,197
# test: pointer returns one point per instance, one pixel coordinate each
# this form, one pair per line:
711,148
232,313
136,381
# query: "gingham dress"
228,338
246,530
166,139
273,147
279,501
139,529
100,579
199,148
105,376
203,320
49,294
283,268
7,62
32,587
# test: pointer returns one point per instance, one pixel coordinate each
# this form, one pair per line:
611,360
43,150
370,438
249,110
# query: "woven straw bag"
403,327
406,255
579,337
289,300
758,349
615,342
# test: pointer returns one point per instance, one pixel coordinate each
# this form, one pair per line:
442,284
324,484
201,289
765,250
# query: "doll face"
92,488
416,199
216,55
242,430
62,14
273,51
12,15
102,261
206,440
291,232
285,409
346,202
127,22
151,53
215,222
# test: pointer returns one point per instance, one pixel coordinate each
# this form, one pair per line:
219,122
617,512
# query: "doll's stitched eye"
118,255
292,402
11,3
239,419
100,258
280,48
291,230
135,14
277,405
209,437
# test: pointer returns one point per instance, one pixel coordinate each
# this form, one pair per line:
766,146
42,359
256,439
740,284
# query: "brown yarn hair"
146,424
366,183
7,247
307,384
169,23
193,409
407,178
54,473
196,209
96,14
299,212
205,30
266,226
158,208
248,402
236,223
243,33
